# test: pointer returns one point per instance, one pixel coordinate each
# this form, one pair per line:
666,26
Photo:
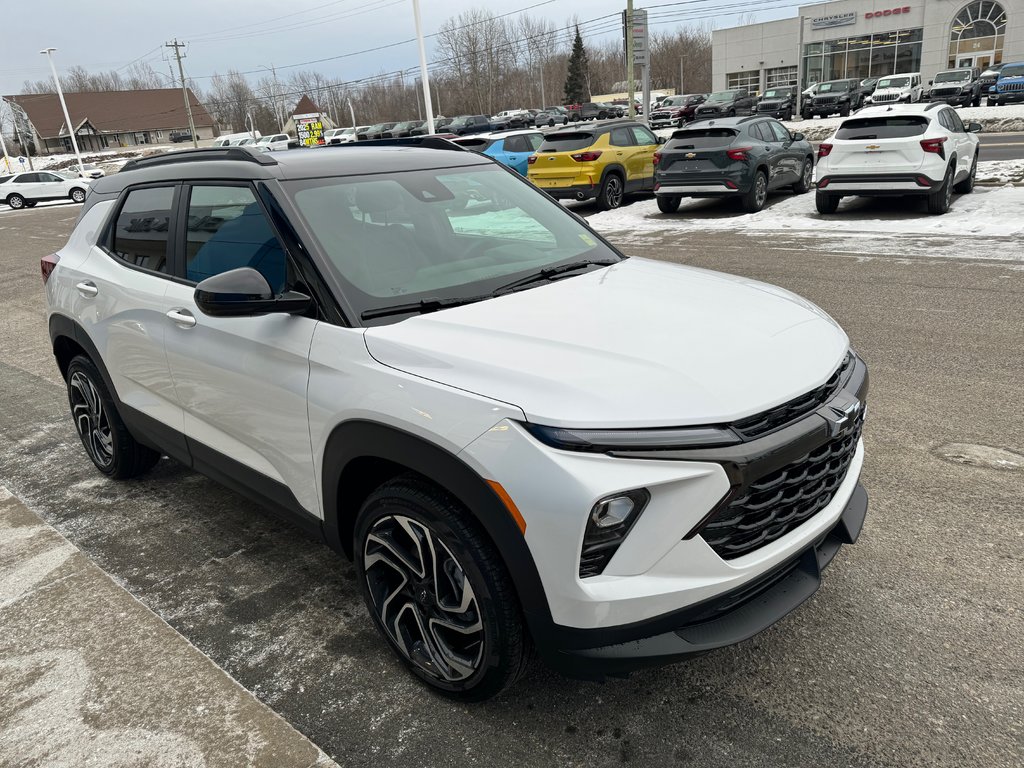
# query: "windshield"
674,101
722,96
1013,70
894,82
837,85
437,234
459,121
775,93
956,76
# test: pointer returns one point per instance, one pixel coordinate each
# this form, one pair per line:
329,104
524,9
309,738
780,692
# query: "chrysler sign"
836,20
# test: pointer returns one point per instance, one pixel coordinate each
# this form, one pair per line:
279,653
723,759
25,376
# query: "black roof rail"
425,142
202,155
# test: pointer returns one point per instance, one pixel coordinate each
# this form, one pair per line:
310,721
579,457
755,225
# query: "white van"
236,139
905,88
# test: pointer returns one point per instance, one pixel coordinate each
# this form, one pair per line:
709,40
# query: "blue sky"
226,34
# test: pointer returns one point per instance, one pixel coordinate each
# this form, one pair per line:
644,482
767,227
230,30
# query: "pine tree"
576,80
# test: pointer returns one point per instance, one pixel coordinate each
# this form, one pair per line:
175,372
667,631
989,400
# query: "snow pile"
897,226
996,172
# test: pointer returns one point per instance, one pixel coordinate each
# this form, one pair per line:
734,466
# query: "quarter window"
644,138
141,232
226,230
955,122
781,134
621,137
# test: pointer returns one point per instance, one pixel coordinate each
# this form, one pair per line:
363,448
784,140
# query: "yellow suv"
605,162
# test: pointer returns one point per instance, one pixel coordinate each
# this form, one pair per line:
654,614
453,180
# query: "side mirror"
974,128
245,292
662,139
799,137
930,82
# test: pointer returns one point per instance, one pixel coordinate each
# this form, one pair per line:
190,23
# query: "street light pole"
423,67
64,106
352,112
277,96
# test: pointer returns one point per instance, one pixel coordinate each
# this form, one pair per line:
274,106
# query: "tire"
669,203
681,122
77,194
612,192
826,203
104,435
976,101
731,113
551,122
15,201
754,199
789,116
30,203
966,186
938,201
806,172
844,111
490,649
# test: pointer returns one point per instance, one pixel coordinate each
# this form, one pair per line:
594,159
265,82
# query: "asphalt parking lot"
910,654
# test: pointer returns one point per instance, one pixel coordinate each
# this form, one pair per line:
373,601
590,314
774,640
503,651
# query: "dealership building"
868,38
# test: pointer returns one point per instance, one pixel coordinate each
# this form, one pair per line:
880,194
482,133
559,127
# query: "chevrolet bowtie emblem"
841,414
873,146
690,155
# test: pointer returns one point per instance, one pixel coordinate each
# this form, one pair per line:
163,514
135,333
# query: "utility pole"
800,70
423,67
63,105
184,90
681,90
630,69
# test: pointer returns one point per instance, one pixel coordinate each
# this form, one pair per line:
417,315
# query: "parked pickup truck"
463,125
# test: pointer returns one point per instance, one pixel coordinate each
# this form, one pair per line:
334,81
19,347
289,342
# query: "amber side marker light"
509,505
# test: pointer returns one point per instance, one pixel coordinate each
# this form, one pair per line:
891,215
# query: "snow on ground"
986,224
995,172
44,204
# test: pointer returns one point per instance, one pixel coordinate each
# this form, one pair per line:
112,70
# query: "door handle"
88,289
182,318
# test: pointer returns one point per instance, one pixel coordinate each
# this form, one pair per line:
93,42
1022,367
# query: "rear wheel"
844,111
669,203
30,203
611,193
106,438
826,203
438,591
757,195
78,195
806,172
939,200
966,186
15,201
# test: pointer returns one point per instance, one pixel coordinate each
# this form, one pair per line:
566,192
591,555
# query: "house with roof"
308,122
110,119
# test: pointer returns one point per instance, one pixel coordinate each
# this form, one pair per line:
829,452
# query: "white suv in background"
24,190
897,89
409,351
903,149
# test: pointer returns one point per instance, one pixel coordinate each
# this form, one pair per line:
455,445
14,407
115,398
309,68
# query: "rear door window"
567,142
226,229
141,232
957,125
621,137
781,134
643,137
869,128
702,138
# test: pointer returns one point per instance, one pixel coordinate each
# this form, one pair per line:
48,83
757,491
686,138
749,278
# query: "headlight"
656,439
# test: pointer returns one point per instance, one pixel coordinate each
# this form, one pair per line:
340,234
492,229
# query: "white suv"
896,89
909,149
24,190
521,436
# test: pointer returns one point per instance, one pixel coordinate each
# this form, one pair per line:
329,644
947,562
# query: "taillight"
824,150
935,146
586,157
47,264
739,153
531,159
657,158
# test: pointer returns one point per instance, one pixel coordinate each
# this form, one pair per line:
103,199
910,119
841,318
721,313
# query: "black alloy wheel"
755,198
437,590
611,193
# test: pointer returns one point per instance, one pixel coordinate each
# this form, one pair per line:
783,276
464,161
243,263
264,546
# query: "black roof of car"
725,122
592,128
243,163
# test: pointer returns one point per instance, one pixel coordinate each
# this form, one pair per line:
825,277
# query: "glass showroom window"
780,77
977,35
749,80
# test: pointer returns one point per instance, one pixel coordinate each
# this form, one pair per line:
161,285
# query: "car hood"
640,343
886,91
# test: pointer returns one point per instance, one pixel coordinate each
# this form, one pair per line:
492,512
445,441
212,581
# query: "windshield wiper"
551,272
420,307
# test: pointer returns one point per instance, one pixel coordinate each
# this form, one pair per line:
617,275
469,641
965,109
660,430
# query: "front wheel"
844,111
669,203
757,195
30,203
826,203
806,172
611,193
438,591
16,201
104,435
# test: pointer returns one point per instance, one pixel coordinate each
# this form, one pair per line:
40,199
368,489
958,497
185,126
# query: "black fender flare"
618,167
360,439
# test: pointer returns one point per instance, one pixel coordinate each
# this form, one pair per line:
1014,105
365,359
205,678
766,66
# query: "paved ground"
910,654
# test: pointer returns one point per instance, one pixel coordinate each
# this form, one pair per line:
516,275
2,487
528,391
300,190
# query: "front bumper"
1009,97
720,621
956,100
879,184
824,110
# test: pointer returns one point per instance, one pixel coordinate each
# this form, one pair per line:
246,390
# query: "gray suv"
957,87
735,101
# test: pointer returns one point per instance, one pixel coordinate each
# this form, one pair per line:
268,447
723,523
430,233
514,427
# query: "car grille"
781,501
945,92
821,100
661,115
767,106
1007,87
707,111
782,415
885,98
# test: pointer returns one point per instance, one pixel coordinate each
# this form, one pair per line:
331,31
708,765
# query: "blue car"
511,148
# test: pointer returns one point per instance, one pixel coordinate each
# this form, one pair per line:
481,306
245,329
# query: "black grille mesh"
779,502
788,412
